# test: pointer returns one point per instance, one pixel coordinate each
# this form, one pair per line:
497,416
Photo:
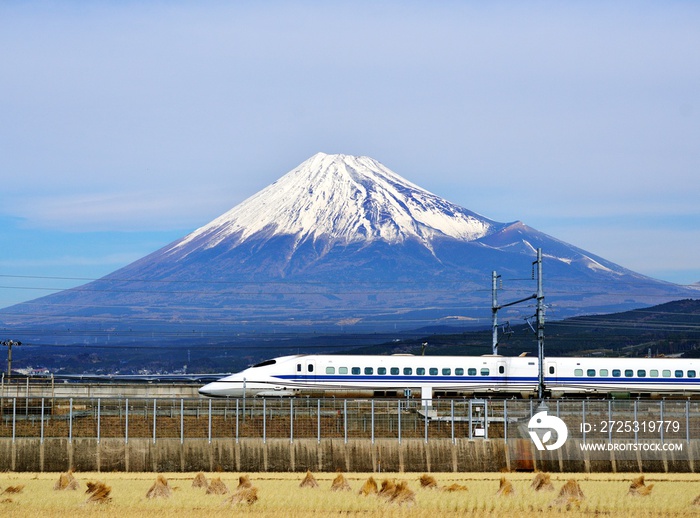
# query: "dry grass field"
279,495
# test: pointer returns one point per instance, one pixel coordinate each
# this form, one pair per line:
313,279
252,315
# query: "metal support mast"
9,344
494,310
540,324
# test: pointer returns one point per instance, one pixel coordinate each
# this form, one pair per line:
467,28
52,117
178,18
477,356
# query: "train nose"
214,389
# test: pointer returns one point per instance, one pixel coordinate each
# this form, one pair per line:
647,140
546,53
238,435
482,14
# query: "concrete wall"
95,390
358,455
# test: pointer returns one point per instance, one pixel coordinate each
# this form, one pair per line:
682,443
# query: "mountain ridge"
339,241
341,197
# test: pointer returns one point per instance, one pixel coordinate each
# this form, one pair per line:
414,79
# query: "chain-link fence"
199,418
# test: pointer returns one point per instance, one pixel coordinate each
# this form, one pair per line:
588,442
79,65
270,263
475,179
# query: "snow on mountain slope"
341,199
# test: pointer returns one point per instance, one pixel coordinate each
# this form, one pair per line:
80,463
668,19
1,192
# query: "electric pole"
9,344
494,311
540,325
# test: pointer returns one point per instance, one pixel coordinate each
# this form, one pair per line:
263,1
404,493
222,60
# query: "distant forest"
668,329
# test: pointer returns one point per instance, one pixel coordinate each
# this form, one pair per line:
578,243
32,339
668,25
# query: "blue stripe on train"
489,379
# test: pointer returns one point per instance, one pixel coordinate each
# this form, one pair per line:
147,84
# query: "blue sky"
126,125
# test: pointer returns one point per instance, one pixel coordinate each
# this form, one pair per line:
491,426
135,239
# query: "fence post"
425,408
126,421
237,400
636,432
98,420
318,420
182,420
42,420
399,423
291,420
486,420
505,421
70,420
452,418
373,421
155,413
345,419
264,420
609,420
661,415
14,417
687,421
209,421
583,419
470,420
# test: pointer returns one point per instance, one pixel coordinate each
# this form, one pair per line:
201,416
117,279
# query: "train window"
310,367
471,371
629,373
641,373
459,371
355,370
666,373
653,373
433,371
446,372
578,372
369,370
603,372
590,372
420,371
679,374
298,367
381,371
551,369
265,363
394,371
617,373
691,374
330,370
501,369
485,371
407,371
342,370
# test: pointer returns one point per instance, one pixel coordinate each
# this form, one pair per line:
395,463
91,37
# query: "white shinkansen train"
452,376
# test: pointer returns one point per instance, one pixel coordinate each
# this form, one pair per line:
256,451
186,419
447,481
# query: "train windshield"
265,363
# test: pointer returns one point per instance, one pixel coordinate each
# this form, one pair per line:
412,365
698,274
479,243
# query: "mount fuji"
340,243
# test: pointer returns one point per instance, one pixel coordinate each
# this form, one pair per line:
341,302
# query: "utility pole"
494,310
9,344
539,315
540,325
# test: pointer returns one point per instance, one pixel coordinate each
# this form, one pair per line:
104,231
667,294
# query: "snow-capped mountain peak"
342,199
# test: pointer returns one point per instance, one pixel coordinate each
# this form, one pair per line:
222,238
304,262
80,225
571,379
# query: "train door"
310,370
502,373
550,372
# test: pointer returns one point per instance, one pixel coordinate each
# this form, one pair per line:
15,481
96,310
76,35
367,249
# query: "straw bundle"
200,480
245,495
570,496
217,487
402,495
505,488
428,482
639,488
243,482
340,483
160,489
66,481
542,482
99,493
369,487
309,480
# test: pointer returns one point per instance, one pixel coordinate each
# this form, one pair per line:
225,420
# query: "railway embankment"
356,455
